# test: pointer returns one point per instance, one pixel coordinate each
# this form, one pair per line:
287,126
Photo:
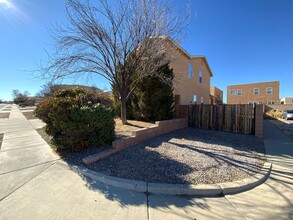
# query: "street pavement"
36,184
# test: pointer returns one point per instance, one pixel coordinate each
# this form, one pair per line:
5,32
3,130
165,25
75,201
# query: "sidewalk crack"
235,207
26,182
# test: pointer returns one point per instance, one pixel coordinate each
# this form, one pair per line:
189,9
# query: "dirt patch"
192,156
4,115
30,115
126,130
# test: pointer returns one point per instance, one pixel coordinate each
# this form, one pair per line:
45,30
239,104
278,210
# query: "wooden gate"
232,118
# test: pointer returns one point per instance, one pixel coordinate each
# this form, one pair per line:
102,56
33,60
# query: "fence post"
258,121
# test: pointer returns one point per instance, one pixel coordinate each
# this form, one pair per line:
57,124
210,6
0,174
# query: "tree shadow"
143,163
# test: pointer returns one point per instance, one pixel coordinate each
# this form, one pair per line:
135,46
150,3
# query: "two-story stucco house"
260,93
191,76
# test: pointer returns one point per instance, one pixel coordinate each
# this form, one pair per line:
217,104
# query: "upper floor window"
232,92
269,90
190,70
239,92
200,76
256,91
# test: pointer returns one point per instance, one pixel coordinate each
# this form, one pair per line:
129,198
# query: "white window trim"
268,89
238,92
271,102
255,90
231,92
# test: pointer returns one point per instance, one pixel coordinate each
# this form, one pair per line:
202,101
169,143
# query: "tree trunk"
123,107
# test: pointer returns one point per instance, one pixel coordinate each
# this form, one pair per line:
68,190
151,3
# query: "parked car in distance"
288,114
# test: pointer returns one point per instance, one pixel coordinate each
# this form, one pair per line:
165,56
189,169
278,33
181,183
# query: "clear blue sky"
244,41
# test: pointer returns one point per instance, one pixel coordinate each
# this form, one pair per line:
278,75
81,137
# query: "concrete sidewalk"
36,184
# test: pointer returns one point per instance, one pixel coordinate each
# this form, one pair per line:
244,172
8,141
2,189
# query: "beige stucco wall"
217,94
248,93
286,100
188,87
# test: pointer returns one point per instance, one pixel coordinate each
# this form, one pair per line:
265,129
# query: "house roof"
185,53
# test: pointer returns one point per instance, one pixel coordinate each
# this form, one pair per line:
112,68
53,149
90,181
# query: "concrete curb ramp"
180,189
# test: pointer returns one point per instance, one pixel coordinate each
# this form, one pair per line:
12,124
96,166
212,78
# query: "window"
232,92
239,92
200,76
190,70
269,90
256,91
253,102
194,98
271,102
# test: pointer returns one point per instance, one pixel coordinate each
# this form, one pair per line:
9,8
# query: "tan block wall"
188,87
286,100
161,127
248,93
279,107
217,94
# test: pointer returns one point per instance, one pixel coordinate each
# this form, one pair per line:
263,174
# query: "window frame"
238,92
190,67
200,78
256,89
268,89
233,90
271,102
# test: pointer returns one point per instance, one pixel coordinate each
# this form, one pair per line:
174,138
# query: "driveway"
36,184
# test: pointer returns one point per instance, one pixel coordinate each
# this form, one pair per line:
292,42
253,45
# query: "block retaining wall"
160,128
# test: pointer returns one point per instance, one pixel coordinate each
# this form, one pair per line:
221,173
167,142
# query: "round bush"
75,122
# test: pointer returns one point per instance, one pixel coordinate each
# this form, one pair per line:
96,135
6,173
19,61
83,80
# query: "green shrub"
75,122
152,100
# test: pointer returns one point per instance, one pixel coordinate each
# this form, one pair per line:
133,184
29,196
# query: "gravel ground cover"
192,156
4,115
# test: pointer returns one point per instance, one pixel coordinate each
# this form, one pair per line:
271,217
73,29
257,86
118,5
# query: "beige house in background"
286,100
216,96
191,76
260,93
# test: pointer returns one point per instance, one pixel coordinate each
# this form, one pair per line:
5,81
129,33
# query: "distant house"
259,93
191,76
216,95
286,100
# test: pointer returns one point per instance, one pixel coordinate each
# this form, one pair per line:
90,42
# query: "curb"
227,188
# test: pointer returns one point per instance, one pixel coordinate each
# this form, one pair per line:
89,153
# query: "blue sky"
244,41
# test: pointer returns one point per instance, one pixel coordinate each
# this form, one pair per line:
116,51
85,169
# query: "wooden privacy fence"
232,118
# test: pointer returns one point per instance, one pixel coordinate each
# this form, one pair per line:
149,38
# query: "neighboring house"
259,93
286,100
191,76
216,95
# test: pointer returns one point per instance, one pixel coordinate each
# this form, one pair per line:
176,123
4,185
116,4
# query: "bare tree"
115,41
